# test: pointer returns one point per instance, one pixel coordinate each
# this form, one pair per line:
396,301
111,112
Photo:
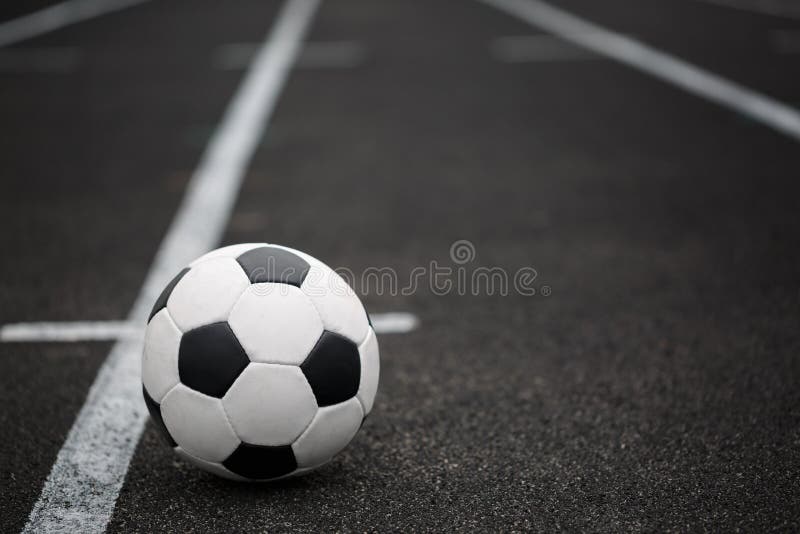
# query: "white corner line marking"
80,331
677,72
57,16
80,493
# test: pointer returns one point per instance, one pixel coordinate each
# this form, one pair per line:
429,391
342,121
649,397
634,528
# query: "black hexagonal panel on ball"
333,369
260,462
210,358
271,264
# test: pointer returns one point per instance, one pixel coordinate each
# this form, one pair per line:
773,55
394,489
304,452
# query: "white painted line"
70,331
314,55
775,8
677,72
56,59
394,322
80,331
82,488
537,48
57,16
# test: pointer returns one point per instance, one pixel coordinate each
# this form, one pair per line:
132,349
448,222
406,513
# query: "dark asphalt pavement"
654,389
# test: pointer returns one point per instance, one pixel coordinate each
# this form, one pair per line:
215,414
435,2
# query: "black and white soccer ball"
259,362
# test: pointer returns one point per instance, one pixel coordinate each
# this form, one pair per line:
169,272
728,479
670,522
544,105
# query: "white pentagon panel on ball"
370,371
162,340
212,467
198,424
231,251
207,293
270,404
338,305
330,431
275,323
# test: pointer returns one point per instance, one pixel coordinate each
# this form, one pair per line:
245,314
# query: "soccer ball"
259,362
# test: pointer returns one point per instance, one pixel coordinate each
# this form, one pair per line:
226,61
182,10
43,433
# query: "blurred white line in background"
79,331
69,331
661,65
314,55
57,16
82,488
394,322
775,8
532,48
52,59
785,41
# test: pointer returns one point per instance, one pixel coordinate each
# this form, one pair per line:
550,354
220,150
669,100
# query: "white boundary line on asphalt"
78,331
80,493
40,60
72,331
57,16
768,7
640,56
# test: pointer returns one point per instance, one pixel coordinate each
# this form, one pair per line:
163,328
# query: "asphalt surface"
655,388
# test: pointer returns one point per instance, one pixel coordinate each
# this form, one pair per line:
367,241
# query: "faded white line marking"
775,8
677,72
394,322
314,55
57,59
333,54
69,331
533,48
57,16
81,331
785,41
82,488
